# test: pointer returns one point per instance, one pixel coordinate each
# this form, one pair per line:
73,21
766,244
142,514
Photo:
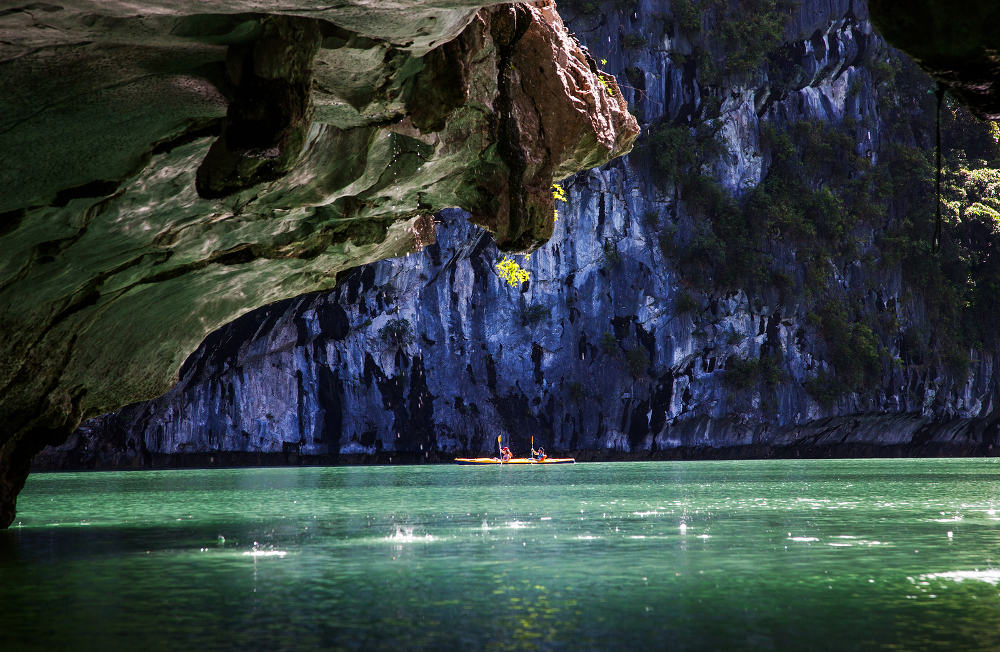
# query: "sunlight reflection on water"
597,556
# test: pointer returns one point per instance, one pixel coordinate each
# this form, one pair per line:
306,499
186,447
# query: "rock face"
643,330
166,171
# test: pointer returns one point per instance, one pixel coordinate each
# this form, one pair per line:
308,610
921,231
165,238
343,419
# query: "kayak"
516,460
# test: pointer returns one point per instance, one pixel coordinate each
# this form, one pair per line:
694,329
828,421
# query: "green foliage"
747,373
749,30
857,84
673,149
535,314
586,7
824,388
609,343
635,76
577,391
611,255
397,333
853,350
740,34
637,361
688,16
960,284
679,152
741,373
685,303
821,197
634,41
812,198
665,239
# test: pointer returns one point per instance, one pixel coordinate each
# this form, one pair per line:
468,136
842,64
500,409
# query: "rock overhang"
957,43
170,170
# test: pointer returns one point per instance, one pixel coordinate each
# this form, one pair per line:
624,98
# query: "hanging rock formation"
755,279
959,45
169,167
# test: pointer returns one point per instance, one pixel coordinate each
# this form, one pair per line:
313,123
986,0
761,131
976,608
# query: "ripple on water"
988,575
333,557
406,535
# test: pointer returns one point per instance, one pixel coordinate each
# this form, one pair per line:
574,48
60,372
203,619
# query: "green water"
787,555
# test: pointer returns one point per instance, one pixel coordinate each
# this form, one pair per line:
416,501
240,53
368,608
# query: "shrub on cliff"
535,314
851,347
637,361
736,37
397,333
747,373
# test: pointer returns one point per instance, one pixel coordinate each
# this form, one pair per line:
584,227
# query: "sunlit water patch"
702,555
989,576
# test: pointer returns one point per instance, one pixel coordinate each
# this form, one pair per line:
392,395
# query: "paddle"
500,448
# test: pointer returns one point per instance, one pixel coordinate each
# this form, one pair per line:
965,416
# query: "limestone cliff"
755,278
170,165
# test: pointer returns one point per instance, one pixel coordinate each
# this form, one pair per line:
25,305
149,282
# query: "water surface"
787,555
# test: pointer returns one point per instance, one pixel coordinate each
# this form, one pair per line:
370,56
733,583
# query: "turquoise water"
786,555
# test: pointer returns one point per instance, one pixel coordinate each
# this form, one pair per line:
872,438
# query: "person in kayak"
505,454
538,454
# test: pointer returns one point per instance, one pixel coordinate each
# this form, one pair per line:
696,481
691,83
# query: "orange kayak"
516,460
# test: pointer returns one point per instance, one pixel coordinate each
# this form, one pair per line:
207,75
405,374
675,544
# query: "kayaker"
505,454
538,454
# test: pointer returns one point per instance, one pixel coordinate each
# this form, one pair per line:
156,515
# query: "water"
786,555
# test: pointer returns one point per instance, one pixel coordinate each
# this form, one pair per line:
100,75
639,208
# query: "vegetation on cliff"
826,204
